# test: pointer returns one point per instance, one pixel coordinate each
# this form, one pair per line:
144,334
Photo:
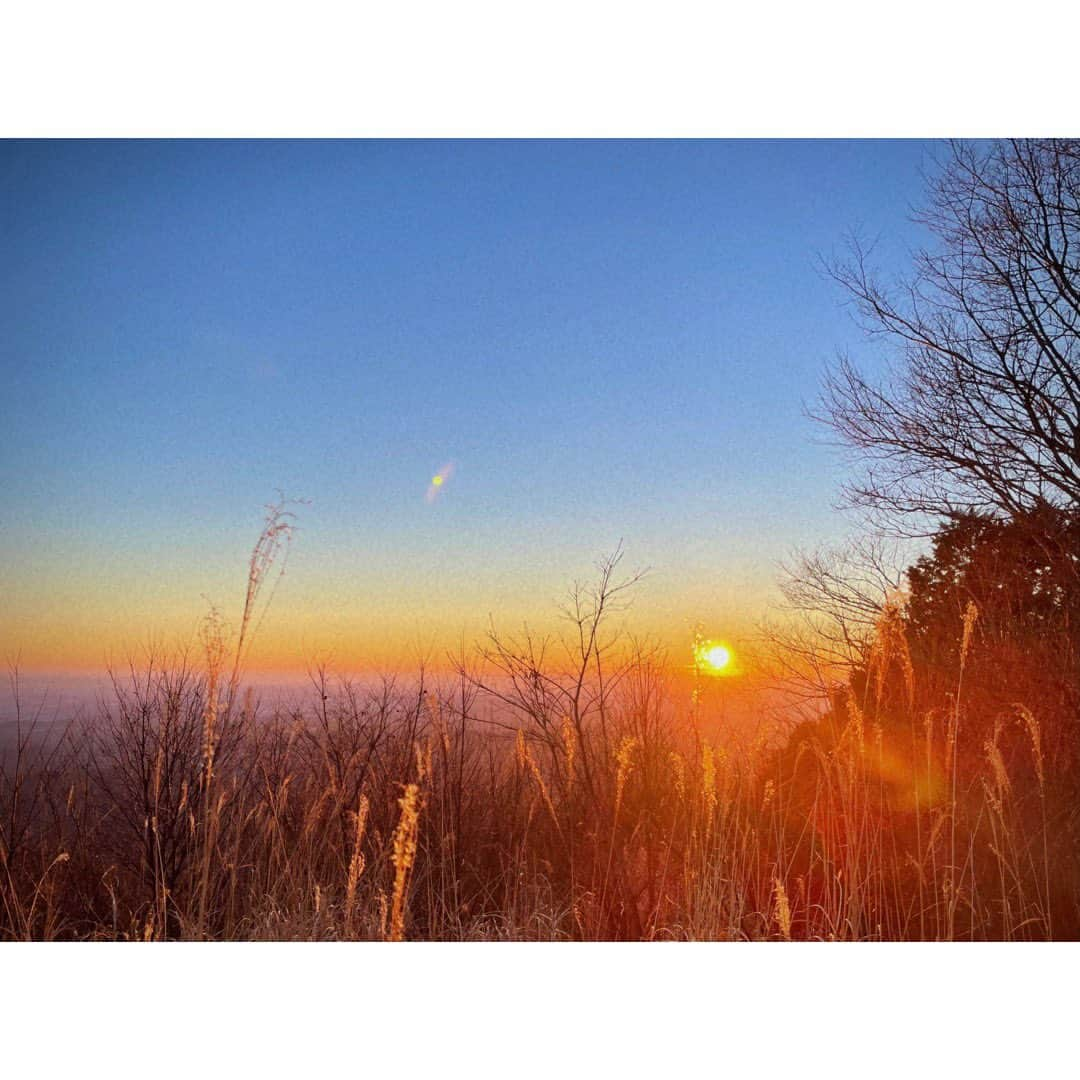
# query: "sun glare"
713,657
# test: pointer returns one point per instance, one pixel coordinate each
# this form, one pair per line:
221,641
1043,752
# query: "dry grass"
381,815
547,796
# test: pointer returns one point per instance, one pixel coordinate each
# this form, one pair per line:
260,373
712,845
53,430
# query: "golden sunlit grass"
371,818
550,790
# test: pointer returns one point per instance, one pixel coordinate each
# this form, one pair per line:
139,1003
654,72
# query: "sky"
593,342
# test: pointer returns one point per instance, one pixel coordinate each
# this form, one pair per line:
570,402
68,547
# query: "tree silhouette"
981,413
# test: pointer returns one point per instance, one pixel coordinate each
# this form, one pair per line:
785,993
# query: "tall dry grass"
547,791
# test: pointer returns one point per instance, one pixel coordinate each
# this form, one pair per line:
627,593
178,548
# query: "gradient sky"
607,339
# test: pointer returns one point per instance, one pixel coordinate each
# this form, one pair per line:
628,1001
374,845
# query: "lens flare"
438,481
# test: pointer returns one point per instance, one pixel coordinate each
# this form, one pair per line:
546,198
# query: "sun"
717,657
713,657
437,480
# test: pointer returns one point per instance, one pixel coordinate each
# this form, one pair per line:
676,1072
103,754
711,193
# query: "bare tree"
981,411
833,598
544,683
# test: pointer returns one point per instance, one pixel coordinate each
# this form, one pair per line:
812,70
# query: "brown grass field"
531,799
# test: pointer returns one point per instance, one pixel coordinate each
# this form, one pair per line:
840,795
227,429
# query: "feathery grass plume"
423,760
527,762
624,765
570,748
855,722
214,646
159,762
782,909
1035,735
404,855
384,914
313,820
889,645
678,766
274,541
997,791
971,615
993,798
356,862
768,795
997,763
951,724
708,778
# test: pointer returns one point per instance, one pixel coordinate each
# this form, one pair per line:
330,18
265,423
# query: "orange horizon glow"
295,643
390,613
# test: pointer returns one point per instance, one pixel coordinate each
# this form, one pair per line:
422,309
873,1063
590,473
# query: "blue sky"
609,340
